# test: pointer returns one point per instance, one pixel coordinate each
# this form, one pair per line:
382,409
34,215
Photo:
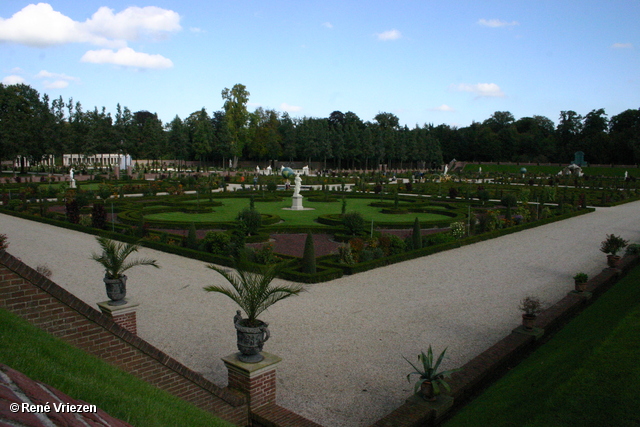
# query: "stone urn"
528,321
426,390
116,290
250,339
613,261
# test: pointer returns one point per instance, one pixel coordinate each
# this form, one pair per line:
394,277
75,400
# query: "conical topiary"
309,256
417,235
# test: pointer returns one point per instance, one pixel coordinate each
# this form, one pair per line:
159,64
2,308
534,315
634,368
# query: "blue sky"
424,61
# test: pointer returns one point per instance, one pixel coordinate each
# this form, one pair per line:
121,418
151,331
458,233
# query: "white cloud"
13,80
622,46
133,22
126,57
290,108
58,84
44,74
327,25
482,90
196,30
496,23
55,80
389,35
39,25
443,107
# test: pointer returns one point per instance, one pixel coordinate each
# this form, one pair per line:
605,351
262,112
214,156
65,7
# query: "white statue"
71,174
480,169
305,170
626,175
268,170
446,168
296,187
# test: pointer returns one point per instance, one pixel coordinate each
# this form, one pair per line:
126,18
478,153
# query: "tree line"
34,126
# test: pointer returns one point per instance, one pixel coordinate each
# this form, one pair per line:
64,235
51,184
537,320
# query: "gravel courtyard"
342,341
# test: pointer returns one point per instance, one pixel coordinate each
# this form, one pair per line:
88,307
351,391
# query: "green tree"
235,107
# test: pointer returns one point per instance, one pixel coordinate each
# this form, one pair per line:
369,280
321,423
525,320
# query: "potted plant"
611,246
114,260
253,292
531,307
580,281
430,380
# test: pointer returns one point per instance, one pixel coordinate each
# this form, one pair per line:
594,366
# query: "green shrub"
353,222
98,216
264,255
250,219
309,256
216,242
191,241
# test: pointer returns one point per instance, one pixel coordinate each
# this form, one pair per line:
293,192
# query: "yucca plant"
114,257
428,372
252,291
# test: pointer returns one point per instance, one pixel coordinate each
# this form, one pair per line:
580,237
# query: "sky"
427,62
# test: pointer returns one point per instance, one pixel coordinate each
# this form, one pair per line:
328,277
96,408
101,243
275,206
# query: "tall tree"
235,107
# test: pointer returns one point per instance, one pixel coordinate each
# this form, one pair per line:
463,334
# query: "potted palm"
114,259
430,381
253,293
611,246
580,281
531,307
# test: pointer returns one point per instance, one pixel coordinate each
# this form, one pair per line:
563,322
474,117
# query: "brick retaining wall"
491,364
43,303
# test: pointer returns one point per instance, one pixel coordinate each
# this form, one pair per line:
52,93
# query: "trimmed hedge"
418,253
322,274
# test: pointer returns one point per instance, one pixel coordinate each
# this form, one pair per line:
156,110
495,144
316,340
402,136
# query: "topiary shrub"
309,256
353,222
216,242
250,219
191,241
98,216
416,235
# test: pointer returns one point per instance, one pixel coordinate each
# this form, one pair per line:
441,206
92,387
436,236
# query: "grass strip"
47,359
587,374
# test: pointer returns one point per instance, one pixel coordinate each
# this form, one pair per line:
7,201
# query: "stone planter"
528,321
580,286
426,390
116,290
613,261
251,340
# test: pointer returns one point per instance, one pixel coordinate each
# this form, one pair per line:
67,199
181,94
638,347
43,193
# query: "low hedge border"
326,265
323,274
405,256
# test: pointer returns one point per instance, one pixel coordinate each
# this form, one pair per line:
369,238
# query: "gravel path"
342,342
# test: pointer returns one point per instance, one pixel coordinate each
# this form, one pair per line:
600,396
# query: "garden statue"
72,181
305,170
269,170
296,187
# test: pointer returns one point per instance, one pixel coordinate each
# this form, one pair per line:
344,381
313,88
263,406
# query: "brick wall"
46,305
494,362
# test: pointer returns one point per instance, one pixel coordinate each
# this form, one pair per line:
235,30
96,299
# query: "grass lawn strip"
231,207
50,360
588,374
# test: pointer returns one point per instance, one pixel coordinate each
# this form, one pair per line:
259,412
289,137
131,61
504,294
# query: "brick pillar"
124,315
256,380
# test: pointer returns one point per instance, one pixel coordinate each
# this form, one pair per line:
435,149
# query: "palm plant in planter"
430,381
114,260
611,246
253,292
531,307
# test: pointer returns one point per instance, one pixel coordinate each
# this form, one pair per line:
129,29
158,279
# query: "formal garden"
361,220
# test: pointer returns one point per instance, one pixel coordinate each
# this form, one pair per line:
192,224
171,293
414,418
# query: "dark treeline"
34,126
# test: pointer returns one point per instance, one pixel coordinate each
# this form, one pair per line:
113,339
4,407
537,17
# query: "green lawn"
586,375
50,360
230,208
